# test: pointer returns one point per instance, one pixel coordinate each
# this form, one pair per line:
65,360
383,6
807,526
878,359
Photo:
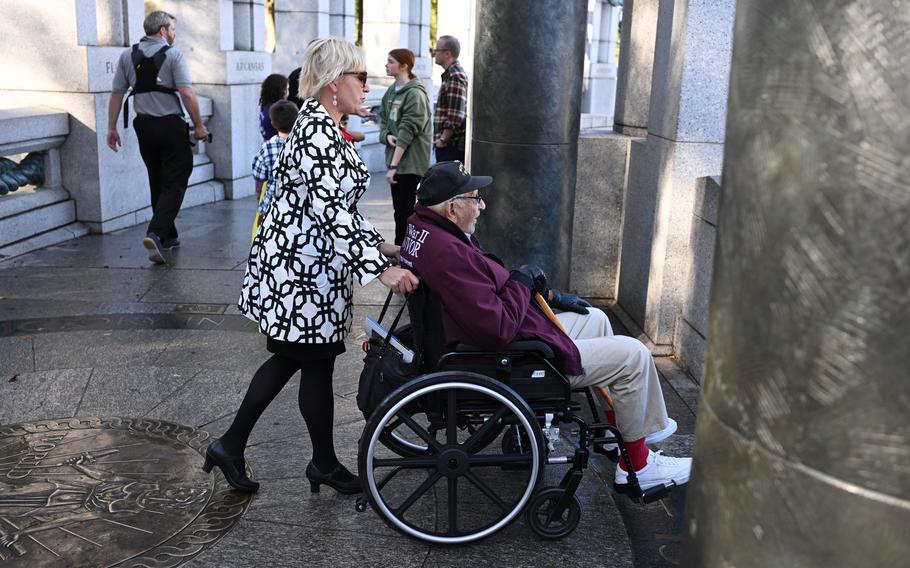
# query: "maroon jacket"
481,306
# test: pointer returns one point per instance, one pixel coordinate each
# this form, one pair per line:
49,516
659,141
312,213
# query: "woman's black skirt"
304,352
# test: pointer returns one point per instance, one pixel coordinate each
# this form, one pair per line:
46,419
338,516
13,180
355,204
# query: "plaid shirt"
262,169
452,104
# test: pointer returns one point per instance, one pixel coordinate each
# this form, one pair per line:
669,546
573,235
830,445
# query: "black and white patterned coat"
312,241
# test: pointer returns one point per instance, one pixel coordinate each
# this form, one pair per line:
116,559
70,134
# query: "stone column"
636,62
390,24
603,154
341,19
525,128
803,441
456,18
599,95
224,44
297,22
684,143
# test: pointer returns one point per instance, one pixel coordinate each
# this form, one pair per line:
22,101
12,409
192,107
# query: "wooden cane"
545,307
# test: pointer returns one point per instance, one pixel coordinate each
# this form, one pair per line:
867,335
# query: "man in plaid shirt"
451,103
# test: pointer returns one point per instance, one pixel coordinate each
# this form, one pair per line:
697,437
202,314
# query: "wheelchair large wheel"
401,439
455,490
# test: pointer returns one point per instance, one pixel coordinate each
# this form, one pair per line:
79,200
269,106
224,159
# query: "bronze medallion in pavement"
109,491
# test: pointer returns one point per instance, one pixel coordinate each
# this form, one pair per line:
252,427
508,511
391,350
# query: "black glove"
532,277
568,302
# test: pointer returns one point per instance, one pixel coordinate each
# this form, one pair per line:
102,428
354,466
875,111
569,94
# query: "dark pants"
164,144
403,195
449,154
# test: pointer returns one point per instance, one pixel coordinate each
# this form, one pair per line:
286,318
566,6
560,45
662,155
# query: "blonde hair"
325,60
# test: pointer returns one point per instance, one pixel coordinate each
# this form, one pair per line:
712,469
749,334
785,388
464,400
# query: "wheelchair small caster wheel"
361,504
546,521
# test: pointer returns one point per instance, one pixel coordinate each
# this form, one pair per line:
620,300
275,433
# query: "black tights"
316,400
403,196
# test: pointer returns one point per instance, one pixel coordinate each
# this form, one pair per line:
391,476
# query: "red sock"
638,453
611,416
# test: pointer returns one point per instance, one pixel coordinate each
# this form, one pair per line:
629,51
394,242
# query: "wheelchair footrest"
657,492
649,495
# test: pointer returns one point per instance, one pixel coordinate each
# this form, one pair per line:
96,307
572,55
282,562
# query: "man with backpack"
158,77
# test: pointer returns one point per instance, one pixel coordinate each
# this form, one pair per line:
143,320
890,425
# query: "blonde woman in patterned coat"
312,244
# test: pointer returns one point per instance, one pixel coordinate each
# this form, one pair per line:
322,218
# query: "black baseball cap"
445,180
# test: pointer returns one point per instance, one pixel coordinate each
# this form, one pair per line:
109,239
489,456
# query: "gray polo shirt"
174,73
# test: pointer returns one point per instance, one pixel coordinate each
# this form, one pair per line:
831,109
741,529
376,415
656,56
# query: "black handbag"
384,370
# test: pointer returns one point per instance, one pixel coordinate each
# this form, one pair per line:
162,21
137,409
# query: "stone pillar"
297,23
456,18
599,95
224,44
390,24
603,156
70,66
803,442
525,128
636,62
341,19
685,142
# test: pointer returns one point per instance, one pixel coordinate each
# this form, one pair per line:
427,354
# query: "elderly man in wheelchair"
507,378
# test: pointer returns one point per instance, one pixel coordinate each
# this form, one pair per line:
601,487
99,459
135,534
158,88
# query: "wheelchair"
458,453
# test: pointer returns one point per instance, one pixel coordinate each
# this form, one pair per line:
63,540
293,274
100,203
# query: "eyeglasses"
435,51
362,75
476,198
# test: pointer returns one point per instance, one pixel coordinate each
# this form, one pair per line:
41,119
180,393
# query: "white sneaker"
654,438
659,470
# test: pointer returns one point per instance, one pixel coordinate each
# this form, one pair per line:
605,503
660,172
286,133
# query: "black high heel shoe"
233,467
340,479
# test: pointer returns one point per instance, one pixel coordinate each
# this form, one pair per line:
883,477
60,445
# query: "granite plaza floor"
91,328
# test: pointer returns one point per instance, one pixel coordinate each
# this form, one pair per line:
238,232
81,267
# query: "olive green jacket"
406,115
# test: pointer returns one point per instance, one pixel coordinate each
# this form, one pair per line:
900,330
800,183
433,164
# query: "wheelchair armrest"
538,347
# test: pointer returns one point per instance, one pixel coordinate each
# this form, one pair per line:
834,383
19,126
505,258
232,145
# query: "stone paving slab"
91,328
77,283
133,391
18,355
196,286
271,543
84,349
42,394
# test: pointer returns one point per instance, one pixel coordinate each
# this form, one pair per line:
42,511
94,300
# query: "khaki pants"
624,366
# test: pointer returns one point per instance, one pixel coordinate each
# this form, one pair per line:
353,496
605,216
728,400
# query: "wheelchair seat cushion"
539,347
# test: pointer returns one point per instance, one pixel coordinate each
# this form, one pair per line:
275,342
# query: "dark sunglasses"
362,75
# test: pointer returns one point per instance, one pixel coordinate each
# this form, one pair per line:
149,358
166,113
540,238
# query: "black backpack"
147,69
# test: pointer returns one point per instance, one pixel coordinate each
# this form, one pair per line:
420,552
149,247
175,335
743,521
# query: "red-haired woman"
405,130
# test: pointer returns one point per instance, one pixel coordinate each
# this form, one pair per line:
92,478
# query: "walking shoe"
233,467
659,470
169,244
153,245
654,438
